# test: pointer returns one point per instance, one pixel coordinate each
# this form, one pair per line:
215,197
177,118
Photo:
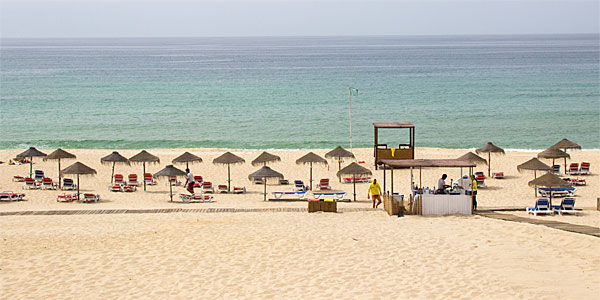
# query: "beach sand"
274,255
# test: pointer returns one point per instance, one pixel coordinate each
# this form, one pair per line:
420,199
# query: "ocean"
518,91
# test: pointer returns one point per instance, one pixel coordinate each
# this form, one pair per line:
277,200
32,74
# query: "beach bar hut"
383,151
456,202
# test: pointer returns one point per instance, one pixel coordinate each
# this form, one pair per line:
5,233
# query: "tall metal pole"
350,113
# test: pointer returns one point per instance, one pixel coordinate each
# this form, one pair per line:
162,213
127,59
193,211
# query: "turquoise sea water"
521,92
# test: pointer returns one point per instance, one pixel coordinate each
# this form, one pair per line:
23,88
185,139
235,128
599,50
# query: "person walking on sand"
473,186
189,183
375,193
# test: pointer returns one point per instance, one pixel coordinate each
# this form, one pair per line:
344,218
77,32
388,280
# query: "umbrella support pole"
383,168
392,181
489,164
310,177
59,173
30,166
228,178
265,189
112,175
354,185
171,191
144,175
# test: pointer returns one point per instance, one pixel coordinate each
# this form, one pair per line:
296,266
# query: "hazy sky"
162,18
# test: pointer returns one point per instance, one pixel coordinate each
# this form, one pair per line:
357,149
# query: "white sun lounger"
299,195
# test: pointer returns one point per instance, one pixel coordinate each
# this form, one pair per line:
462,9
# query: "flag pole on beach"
351,91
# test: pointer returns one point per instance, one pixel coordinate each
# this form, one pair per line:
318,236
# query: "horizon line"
300,36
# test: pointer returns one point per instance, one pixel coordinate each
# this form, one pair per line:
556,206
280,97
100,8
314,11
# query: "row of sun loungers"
302,195
542,206
87,197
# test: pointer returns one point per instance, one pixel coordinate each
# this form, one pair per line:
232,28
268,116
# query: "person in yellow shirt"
375,193
473,186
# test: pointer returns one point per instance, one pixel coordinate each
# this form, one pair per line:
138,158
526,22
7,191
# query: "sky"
181,18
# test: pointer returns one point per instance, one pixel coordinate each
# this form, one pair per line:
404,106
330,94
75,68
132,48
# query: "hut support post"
112,175
535,187
420,178
565,163
77,187
354,185
339,168
144,175
228,177
265,189
171,190
392,181
489,164
59,173
310,178
383,168
30,167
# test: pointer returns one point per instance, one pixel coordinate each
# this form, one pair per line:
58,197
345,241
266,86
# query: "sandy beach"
274,255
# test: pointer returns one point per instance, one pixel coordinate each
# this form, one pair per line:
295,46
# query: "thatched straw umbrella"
264,173
535,165
549,180
354,169
170,171
311,159
59,154
144,157
473,158
490,148
31,152
339,153
187,158
553,153
565,144
228,159
265,158
114,158
78,169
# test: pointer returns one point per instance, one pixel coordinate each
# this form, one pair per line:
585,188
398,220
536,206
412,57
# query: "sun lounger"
567,205
498,175
299,186
207,187
68,184
115,188
30,184
89,197
39,175
575,181
557,192
283,182
298,195
18,178
258,181
119,180
480,177
556,169
542,206
221,188
128,188
337,195
133,180
65,197
10,196
324,184
239,190
196,197
573,169
585,169
47,184
198,179
148,179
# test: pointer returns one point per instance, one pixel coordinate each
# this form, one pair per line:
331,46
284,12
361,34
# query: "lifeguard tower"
404,151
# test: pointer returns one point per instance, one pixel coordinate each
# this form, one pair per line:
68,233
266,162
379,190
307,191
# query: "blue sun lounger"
567,205
299,195
336,195
542,206
558,191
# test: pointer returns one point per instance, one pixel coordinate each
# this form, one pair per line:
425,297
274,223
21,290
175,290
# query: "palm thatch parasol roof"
31,152
566,144
311,158
59,154
549,180
186,158
490,148
264,173
169,171
339,152
228,159
265,158
354,169
534,164
144,157
553,153
78,169
474,158
114,157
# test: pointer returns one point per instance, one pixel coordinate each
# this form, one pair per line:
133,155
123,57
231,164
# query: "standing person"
375,193
189,183
473,186
442,185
